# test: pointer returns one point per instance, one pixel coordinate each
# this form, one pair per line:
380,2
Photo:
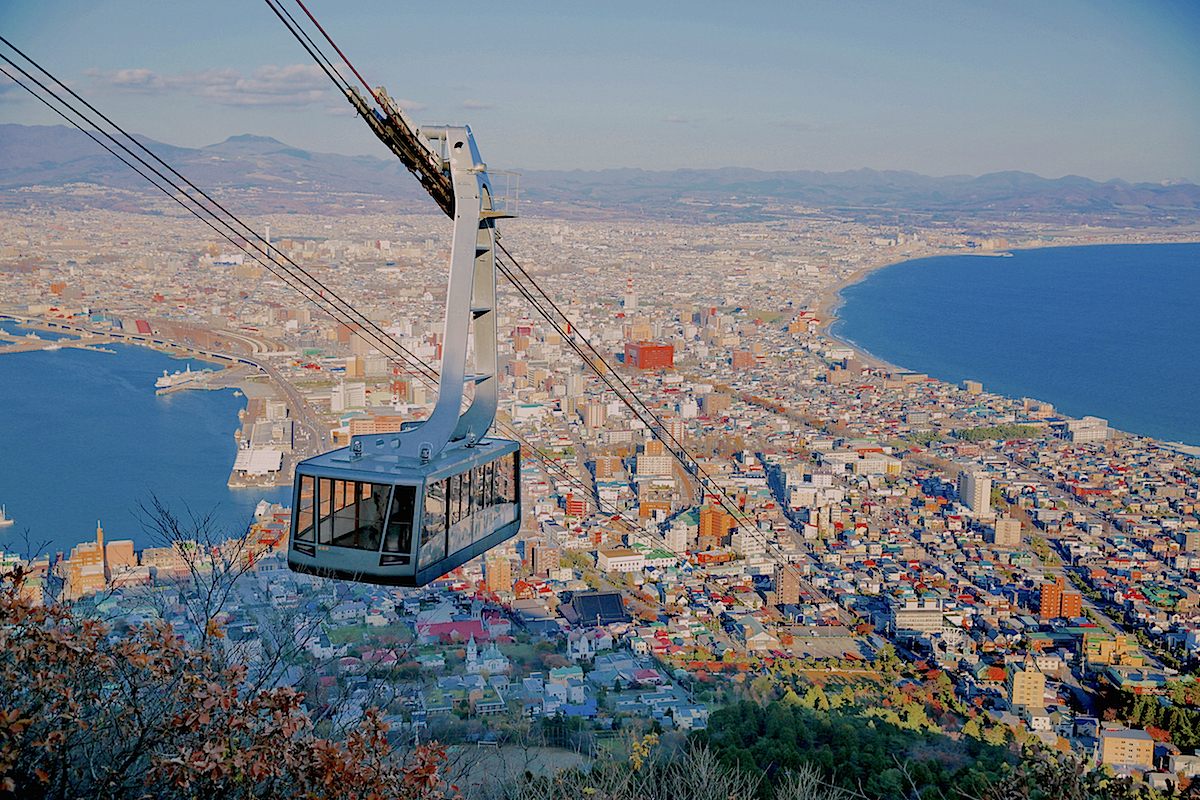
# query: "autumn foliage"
88,713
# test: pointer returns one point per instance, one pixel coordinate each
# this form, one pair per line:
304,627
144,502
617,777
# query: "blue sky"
1099,88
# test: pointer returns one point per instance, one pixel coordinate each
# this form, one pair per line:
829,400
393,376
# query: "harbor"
31,342
97,443
277,429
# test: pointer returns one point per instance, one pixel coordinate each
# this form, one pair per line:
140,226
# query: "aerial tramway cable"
150,173
308,44
626,394
210,213
321,294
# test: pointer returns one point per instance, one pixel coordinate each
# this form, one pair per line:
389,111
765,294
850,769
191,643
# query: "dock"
26,344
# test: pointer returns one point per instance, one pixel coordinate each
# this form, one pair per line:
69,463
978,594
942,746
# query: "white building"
1088,429
620,560
347,395
975,492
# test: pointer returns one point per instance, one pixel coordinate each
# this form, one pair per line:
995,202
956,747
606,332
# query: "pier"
310,434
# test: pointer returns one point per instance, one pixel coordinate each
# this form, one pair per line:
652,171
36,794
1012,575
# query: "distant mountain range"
269,176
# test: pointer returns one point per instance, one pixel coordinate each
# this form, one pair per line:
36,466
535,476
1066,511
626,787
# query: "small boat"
4,520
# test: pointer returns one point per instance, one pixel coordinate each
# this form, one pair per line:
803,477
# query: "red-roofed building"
463,628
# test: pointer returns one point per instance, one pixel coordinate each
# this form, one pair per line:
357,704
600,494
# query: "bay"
86,439
1107,330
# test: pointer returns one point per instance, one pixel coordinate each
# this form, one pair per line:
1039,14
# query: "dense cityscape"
855,521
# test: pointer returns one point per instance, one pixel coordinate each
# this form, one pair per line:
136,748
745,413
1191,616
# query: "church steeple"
472,654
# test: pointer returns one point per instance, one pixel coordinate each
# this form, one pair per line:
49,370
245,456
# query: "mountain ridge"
58,155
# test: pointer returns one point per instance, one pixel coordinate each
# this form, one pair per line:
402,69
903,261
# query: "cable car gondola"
406,508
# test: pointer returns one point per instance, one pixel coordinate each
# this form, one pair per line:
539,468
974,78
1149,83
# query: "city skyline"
1102,90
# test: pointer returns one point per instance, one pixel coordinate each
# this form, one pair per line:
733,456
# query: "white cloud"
293,85
675,118
138,81
10,92
474,104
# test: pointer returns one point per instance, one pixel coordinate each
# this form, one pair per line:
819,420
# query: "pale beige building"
1027,687
1127,747
1007,532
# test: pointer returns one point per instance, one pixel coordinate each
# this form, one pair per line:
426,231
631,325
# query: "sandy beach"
828,302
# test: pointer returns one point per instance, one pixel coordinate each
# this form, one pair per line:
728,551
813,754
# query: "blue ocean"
1109,330
87,440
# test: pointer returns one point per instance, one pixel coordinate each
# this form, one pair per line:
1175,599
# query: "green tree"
1045,774
816,698
997,735
972,728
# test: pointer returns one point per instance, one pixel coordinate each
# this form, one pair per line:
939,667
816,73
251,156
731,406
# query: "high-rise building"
375,366
1007,532
715,524
1072,604
347,395
1088,429
119,557
544,558
673,427
1190,539
653,461
1058,601
166,563
1127,747
1051,599
677,536
926,614
594,415
787,585
85,568
1026,686
576,505
747,541
714,403
975,492
497,574
607,466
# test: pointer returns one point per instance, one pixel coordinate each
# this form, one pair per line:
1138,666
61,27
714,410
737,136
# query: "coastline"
827,304
179,448
230,375
829,301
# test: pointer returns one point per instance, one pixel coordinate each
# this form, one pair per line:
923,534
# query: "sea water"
86,439
1109,330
